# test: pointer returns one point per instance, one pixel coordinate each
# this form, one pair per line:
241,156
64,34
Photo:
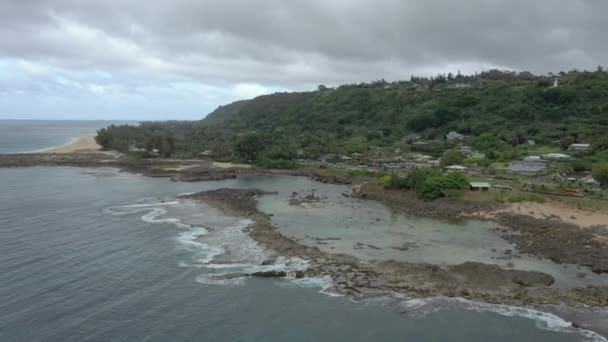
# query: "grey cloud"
299,43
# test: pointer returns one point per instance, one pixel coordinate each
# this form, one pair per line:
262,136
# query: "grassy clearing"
330,171
544,149
503,196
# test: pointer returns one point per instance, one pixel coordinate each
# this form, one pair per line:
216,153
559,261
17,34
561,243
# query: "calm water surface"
17,136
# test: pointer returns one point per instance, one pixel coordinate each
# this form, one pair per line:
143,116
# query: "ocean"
101,255
19,136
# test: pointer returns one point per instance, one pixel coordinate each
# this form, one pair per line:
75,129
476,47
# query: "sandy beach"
557,211
82,144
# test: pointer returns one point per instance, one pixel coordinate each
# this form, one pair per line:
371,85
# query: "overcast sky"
180,59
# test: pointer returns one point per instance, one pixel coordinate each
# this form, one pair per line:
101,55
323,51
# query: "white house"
454,136
579,147
455,168
556,156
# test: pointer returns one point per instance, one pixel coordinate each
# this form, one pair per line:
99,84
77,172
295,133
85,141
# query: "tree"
600,174
565,142
161,141
103,138
451,157
249,146
487,141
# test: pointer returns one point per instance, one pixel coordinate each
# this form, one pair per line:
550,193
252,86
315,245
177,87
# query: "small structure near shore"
456,168
454,136
580,148
479,186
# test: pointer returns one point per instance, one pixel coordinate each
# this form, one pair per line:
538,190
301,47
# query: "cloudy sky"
180,59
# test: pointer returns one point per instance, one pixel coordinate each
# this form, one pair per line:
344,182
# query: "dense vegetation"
499,111
428,183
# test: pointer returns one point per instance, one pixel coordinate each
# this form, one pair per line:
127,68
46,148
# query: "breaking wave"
218,244
421,307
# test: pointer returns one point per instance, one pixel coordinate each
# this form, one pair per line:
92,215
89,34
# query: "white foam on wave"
221,238
228,273
202,252
325,283
188,238
543,320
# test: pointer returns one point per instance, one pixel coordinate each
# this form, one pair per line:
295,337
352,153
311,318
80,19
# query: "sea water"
19,136
98,255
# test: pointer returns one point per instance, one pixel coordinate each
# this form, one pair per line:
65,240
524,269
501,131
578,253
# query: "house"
422,157
556,156
530,168
456,168
412,137
468,152
454,136
459,85
479,186
589,182
579,148
421,146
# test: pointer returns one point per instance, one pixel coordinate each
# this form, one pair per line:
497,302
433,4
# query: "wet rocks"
356,279
360,245
406,246
410,203
331,179
308,199
203,175
279,274
559,241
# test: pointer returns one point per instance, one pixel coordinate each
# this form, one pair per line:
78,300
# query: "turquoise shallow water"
72,270
18,136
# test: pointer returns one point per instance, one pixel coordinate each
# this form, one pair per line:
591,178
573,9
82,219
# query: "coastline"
82,144
477,282
355,279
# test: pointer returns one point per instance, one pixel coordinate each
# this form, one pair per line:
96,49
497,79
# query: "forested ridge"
499,112
498,102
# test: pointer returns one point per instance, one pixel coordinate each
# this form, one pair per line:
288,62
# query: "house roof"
480,185
556,156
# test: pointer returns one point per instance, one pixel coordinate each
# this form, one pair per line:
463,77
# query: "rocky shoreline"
353,278
561,243
358,280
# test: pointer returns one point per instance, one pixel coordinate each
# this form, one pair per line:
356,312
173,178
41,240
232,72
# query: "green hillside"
498,112
498,102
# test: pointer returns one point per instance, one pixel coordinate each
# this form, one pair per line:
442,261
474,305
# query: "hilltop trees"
497,110
600,174
452,157
161,141
248,146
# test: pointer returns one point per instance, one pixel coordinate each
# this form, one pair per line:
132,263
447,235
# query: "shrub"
600,174
276,163
393,182
437,185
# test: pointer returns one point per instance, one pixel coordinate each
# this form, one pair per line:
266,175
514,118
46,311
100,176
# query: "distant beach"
81,144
